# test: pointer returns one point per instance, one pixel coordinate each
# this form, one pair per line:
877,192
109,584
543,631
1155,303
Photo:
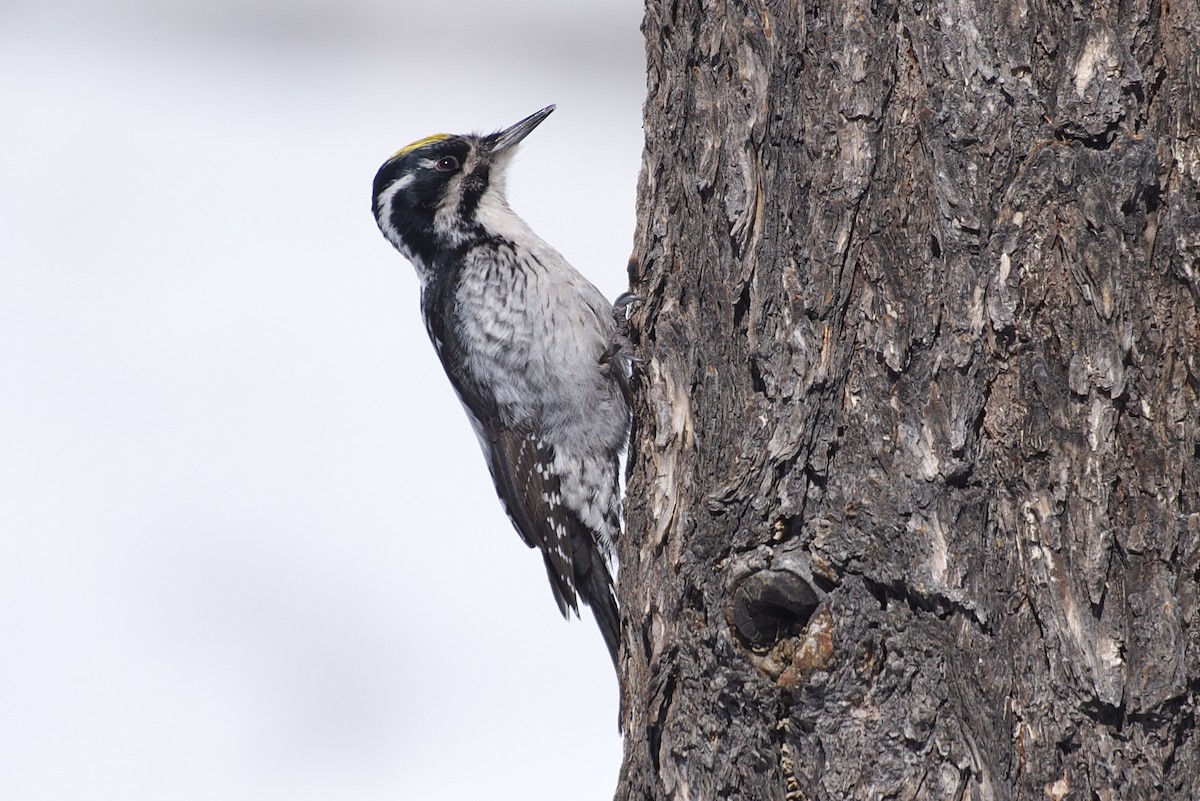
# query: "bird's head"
443,191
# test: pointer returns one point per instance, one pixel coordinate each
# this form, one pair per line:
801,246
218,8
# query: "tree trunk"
914,495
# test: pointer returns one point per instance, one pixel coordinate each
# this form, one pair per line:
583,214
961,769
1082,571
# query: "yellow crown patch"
419,143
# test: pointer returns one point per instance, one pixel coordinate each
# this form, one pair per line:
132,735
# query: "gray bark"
914,496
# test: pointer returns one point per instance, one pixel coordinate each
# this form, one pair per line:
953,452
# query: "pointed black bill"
512,135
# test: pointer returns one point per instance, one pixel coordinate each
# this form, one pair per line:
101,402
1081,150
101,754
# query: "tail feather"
594,583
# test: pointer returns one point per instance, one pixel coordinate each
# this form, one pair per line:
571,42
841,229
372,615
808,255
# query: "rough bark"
914,497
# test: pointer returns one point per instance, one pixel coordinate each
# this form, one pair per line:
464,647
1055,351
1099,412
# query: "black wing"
520,462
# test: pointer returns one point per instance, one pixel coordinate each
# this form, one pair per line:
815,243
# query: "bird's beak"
507,139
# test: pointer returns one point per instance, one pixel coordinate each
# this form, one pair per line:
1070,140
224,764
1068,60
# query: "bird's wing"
519,460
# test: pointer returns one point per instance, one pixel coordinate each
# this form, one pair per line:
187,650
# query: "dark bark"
914,502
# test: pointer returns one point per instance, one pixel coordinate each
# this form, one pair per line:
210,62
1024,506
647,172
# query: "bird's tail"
595,585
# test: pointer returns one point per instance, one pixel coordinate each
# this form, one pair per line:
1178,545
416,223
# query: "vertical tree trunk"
914,504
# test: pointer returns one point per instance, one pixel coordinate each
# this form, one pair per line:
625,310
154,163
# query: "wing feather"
518,459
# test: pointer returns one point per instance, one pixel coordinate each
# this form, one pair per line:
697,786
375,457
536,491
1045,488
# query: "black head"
434,194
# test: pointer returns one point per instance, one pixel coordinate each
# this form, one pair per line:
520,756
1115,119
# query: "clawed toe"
622,310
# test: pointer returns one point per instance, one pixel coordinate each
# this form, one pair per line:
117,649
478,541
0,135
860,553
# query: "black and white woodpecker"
525,341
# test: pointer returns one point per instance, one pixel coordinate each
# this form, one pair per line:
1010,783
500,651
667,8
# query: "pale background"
248,546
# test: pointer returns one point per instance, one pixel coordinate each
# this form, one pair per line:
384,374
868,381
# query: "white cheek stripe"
385,203
385,197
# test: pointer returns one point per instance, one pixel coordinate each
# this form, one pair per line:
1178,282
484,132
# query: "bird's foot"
621,345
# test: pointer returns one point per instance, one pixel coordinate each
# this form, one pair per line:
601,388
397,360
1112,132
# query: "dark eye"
447,164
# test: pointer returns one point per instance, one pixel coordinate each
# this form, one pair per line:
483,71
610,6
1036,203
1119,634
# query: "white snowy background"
248,547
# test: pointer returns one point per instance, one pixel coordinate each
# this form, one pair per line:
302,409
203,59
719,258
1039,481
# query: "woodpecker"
528,344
